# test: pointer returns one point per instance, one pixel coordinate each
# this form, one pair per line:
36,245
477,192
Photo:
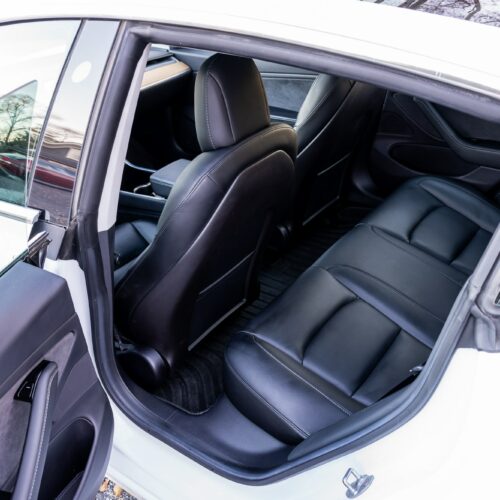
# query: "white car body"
450,448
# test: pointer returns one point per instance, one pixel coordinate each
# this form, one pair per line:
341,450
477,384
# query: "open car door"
56,423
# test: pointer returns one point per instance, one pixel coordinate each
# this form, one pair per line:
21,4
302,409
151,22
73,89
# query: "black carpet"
198,383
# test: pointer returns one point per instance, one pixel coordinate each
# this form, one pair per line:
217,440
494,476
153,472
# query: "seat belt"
412,375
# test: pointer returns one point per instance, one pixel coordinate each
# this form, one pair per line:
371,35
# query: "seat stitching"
382,233
330,120
316,106
205,85
421,219
465,245
246,142
226,107
318,327
340,266
264,96
461,189
380,359
140,257
332,314
160,233
139,232
297,124
296,375
44,423
455,186
282,417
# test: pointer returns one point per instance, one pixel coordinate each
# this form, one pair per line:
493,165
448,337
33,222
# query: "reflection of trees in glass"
480,11
16,132
16,116
15,119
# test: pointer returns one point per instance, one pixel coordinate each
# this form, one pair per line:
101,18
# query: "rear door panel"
417,137
286,88
57,440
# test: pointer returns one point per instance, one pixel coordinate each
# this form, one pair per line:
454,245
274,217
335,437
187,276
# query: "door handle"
39,388
466,150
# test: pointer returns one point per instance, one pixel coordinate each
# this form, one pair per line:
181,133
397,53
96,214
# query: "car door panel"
416,137
286,88
286,93
42,401
55,420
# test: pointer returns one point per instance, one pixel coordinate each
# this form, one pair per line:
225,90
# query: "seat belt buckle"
416,370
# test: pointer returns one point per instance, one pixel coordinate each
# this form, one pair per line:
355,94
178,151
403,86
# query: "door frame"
95,218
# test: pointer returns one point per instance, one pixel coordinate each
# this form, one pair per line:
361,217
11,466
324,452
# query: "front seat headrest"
230,103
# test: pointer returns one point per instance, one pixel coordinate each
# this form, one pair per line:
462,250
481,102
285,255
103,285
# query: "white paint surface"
450,449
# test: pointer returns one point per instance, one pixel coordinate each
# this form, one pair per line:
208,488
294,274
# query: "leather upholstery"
334,121
230,103
163,180
370,309
202,263
131,238
461,217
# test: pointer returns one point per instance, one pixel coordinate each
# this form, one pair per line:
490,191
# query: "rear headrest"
229,101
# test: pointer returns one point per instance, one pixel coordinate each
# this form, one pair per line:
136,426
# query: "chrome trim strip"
18,212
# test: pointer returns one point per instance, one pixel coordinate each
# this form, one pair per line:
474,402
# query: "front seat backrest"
336,120
202,263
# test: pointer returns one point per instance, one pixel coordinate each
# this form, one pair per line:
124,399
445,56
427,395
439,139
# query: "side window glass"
29,78
16,141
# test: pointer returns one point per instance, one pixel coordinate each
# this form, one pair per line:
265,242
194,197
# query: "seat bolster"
291,408
402,211
295,317
412,202
320,105
466,201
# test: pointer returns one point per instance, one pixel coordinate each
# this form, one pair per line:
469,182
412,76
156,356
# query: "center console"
144,191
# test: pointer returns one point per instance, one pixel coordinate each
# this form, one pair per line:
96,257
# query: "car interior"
288,247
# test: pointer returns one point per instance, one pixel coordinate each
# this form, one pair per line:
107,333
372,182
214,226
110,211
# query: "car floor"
196,386
112,491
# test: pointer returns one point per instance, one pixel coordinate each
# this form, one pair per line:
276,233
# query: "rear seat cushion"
440,217
370,309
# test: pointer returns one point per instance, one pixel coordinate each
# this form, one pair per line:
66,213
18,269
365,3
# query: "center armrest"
163,180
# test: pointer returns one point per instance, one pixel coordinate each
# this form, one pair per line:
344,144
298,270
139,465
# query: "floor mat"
198,383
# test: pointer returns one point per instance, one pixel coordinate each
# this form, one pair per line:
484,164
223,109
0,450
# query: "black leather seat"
370,309
337,119
131,238
202,261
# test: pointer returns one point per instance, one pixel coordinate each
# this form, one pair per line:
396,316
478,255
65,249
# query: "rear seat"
370,309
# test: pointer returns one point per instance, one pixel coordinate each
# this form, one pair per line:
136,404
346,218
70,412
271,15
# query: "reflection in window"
54,174
16,145
33,56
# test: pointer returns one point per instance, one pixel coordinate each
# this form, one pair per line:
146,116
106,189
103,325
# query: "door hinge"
37,248
355,483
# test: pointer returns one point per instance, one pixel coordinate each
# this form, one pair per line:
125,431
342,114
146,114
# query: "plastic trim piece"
468,151
37,438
